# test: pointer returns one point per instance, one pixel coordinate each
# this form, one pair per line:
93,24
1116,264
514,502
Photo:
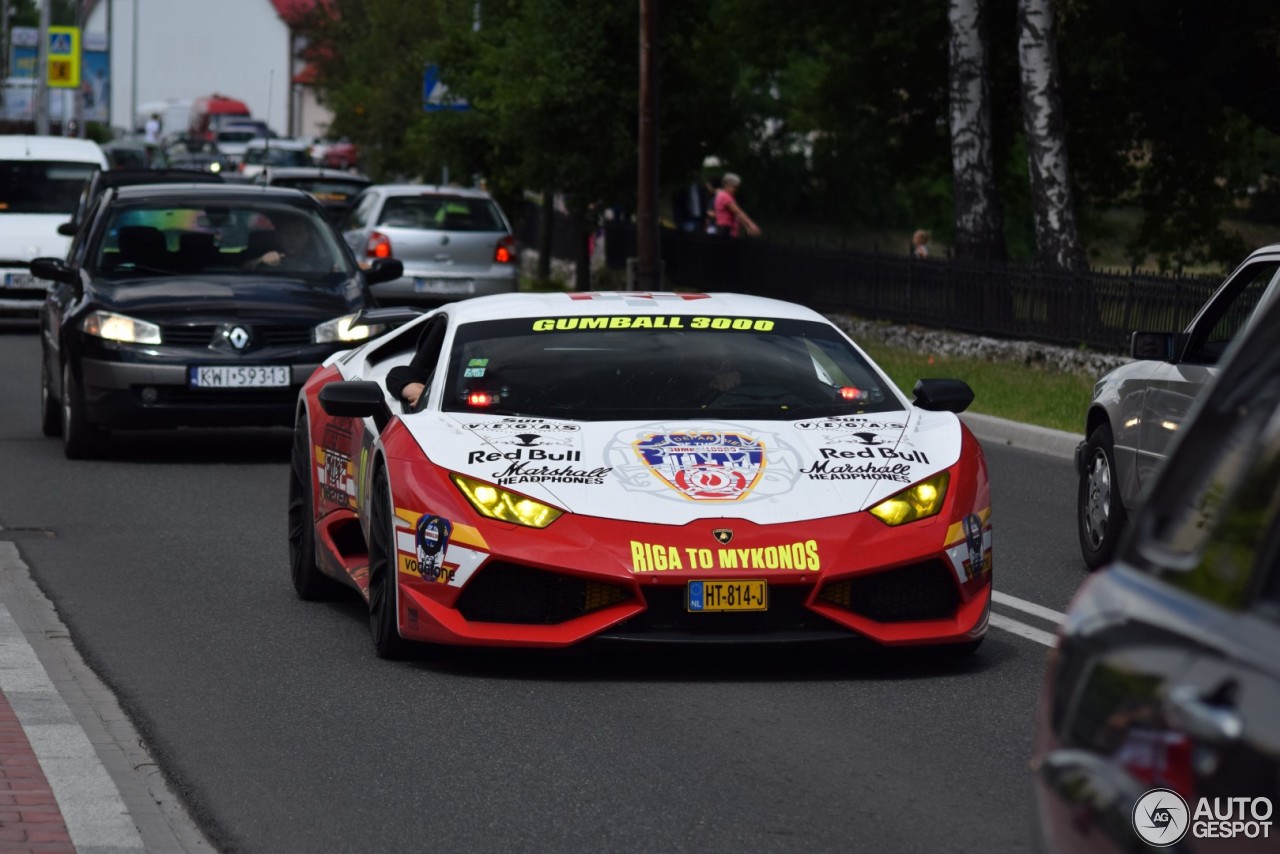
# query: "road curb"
157,816
1044,440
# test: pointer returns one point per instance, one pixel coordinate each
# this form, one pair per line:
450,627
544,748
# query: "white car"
1138,409
41,178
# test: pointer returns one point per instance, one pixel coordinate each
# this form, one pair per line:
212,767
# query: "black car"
1160,719
334,189
104,179
193,304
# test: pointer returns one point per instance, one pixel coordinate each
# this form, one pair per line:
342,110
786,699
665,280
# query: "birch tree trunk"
1057,237
979,225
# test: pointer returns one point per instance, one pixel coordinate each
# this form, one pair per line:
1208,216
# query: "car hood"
224,296
27,236
673,472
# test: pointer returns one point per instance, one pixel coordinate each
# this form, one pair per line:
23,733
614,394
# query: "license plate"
238,376
21,280
443,286
729,595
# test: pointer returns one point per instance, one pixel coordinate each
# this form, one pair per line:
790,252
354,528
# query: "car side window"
1205,527
76,252
1229,313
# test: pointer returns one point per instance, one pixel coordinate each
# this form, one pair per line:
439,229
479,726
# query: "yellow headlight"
505,506
920,501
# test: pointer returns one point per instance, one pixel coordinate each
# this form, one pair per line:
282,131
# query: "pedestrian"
730,218
151,129
920,244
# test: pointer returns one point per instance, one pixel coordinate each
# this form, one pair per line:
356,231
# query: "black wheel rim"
381,579
299,504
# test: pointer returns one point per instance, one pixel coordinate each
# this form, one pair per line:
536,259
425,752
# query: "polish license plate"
21,280
238,376
443,286
742,595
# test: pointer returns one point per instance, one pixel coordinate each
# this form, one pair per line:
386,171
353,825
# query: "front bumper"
19,295
141,395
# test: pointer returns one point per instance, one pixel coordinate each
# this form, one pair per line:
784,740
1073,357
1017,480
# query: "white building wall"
189,48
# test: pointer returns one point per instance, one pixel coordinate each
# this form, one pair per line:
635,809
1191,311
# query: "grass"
1003,389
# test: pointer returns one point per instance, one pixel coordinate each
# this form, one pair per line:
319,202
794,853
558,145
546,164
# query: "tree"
1057,237
979,232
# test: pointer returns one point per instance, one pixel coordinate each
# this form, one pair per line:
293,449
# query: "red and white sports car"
637,466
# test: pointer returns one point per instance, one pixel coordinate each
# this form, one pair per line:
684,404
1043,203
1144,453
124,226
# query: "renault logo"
239,337
722,535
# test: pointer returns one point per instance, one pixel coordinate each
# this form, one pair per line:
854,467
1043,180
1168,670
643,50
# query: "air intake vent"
921,591
511,593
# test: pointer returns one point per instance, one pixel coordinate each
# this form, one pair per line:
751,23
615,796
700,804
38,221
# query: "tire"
81,438
383,585
50,410
1100,514
308,581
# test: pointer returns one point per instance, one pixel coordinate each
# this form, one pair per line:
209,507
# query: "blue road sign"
435,95
59,44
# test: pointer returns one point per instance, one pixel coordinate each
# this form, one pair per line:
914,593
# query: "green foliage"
835,112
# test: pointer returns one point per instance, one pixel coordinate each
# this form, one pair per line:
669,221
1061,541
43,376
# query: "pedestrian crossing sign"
62,58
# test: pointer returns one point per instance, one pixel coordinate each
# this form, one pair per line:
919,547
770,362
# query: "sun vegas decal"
704,466
656,557
431,538
524,432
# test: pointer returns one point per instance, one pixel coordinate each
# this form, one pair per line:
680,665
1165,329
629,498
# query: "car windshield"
189,238
650,367
42,187
236,135
441,213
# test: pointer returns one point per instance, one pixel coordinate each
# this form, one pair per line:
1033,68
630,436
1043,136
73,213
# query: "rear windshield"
441,213
240,238
277,157
37,186
660,366
326,190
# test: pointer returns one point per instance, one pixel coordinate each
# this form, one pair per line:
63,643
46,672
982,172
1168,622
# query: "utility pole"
77,97
42,71
4,49
133,74
648,273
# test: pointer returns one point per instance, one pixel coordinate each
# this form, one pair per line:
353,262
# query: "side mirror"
354,399
383,270
67,229
396,315
53,269
943,395
1160,346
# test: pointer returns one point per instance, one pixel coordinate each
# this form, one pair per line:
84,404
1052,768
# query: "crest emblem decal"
722,535
704,466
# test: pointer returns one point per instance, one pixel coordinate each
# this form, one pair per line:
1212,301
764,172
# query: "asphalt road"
275,722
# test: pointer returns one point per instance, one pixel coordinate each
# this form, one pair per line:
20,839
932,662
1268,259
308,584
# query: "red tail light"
378,246
505,253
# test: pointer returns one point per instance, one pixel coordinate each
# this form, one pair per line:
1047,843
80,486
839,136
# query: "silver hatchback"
1139,408
454,243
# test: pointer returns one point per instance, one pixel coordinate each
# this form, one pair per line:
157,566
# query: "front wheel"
308,581
1100,512
50,411
81,438
384,622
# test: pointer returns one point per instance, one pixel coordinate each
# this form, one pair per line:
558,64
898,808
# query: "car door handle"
1186,710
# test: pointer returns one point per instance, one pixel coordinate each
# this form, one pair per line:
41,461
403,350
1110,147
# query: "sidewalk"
75,777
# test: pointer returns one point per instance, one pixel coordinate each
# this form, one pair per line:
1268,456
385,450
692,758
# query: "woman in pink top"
730,218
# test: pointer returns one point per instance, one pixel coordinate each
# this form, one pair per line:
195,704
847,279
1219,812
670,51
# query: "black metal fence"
1097,309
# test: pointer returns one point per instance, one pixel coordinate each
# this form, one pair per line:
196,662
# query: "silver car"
454,243
1138,408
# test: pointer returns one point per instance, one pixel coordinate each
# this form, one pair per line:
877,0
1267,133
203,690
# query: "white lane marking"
1055,617
90,803
1023,630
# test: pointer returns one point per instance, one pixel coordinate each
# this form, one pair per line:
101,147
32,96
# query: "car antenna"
266,144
